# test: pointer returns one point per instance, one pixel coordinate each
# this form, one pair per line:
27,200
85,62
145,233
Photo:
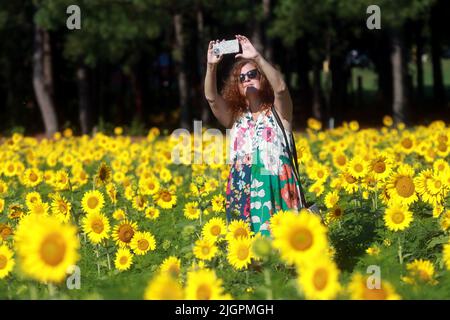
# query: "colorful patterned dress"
261,180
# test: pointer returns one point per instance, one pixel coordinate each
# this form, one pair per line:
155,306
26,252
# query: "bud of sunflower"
262,247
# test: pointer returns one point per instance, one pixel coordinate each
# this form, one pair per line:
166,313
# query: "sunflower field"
113,217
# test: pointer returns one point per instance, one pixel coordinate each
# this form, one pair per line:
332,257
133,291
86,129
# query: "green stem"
268,284
400,255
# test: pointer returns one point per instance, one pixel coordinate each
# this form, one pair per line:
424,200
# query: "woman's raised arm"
283,101
218,105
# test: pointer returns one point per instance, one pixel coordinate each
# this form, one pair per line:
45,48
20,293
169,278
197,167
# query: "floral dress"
261,180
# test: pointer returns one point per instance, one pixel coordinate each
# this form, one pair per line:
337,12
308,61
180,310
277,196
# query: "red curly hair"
231,94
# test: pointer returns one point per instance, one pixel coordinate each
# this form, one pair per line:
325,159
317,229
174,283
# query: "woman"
262,179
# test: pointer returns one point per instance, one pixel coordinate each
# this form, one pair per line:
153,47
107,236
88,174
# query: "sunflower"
407,143
397,217
446,255
152,213
203,284
32,197
165,199
381,166
46,247
340,160
104,174
124,232
214,228
139,202
164,286
124,259
319,280
349,182
92,201
61,207
373,251
171,265
335,214
237,229
111,191
3,188
357,167
331,199
32,177
61,180
401,186
39,208
191,210
421,270
149,186
16,211
218,203
277,217
359,289
300,237
96,226
6,261
5,231
119,214
165,175
143,242
205,249
240,252
2,205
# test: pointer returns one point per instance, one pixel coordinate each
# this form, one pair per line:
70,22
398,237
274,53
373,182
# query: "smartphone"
226,47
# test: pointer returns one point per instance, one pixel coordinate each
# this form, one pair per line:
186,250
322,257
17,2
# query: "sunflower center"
92,202
398,217
242,253
123,260
350,179
3,262
11,168
405,186
126,233
151,185
442,147
98,226
166,197
143,244
437,184
358,167
53,249
215,230
341,160
301,239
320,174
33,177
337,212
407,143
205,250
379,167
320,279
204,292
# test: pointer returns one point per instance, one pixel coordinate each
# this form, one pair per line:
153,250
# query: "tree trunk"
399,108
268,43
42,79
201,61
419,63
180,61
317,93
83,99
436,51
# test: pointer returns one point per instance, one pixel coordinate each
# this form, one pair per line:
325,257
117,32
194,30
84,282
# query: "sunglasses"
252,74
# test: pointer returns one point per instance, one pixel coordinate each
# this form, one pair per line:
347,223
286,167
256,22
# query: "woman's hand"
212,58
248,50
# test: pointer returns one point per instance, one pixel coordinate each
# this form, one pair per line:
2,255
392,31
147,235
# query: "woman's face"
249,76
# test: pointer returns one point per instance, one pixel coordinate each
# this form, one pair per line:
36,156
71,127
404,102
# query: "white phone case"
226,47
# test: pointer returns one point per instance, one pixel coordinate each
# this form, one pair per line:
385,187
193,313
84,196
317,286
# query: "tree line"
134,60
